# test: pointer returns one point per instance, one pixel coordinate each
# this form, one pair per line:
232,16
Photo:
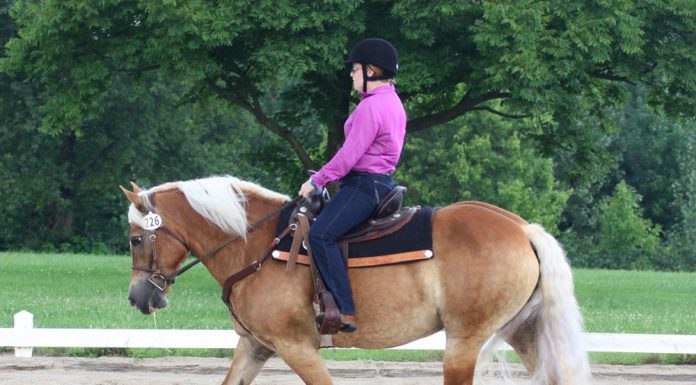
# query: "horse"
494,277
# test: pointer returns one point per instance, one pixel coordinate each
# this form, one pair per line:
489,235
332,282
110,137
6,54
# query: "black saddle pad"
416,235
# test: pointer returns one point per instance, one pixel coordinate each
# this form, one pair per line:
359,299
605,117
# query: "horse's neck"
240,254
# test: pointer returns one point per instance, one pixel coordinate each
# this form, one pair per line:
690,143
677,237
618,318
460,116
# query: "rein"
160,281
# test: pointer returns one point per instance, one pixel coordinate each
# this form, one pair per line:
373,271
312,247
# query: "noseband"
160,280
156,278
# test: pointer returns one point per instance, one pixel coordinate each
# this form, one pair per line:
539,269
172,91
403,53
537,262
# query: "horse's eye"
136,241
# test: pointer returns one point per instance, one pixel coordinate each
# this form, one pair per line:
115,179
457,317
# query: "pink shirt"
374,137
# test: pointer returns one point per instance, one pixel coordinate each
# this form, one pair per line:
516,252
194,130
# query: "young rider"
374,136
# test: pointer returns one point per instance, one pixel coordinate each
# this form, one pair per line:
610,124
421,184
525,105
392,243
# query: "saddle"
387,218
387,230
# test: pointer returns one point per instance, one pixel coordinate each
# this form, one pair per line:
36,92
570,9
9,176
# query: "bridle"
156,278
161,281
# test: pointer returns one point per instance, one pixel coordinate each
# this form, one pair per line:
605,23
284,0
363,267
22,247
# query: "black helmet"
378,52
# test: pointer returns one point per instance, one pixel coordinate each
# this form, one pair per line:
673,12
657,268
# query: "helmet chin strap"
364,72
370,78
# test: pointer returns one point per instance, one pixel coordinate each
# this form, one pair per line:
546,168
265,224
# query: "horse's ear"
132,196
135,187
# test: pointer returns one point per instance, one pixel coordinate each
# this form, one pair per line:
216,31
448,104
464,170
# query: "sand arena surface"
211,371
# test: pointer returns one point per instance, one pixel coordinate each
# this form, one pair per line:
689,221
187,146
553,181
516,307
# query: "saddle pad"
412,242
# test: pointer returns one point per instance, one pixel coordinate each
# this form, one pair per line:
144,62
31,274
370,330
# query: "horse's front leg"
249,357
304,359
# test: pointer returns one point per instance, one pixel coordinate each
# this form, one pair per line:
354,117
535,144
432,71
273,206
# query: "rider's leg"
352,205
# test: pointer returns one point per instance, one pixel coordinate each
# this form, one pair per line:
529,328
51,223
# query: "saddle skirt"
404,236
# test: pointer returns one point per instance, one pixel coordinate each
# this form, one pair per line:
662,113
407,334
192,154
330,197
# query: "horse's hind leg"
523,340
460,360
249,357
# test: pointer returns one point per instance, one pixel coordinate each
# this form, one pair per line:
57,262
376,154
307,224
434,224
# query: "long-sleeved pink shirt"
374,137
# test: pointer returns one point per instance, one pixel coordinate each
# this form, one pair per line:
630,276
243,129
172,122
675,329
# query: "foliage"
64,192
540,58
652,154
683,235
650,145
625,239
485,159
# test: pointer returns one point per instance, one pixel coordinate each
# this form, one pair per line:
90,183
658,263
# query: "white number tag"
152,221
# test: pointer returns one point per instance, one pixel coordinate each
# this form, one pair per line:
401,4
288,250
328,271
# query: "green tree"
625,239
650,152
682,237
282,61
650,145
484,159
60,191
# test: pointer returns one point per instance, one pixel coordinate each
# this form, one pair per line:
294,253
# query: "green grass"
617,301
89,291
637,301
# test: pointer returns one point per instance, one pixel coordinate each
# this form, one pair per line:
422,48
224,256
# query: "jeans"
356,199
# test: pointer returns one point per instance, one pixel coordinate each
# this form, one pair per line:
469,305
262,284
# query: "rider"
374,136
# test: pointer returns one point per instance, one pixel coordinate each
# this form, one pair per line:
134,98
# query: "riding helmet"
378,52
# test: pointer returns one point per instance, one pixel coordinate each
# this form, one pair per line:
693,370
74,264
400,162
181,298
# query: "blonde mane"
219,199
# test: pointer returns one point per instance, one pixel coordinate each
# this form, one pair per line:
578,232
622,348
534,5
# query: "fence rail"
23,337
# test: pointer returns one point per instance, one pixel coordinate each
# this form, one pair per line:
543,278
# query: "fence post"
23,320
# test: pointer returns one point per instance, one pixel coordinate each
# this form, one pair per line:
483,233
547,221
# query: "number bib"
152,221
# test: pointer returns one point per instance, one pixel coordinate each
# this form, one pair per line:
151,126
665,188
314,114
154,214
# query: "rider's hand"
306,189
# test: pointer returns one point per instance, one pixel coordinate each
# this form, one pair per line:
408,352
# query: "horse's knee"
249,357
259,353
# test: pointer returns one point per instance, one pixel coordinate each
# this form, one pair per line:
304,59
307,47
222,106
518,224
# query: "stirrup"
329,320
346,325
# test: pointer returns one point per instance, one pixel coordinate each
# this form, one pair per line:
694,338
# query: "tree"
652,153
625,240
282,62
682,237
484,159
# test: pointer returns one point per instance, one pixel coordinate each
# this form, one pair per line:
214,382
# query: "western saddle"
386,218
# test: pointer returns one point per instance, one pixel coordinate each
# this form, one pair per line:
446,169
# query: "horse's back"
510,215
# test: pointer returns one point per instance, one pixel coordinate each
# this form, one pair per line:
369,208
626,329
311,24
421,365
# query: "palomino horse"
493,274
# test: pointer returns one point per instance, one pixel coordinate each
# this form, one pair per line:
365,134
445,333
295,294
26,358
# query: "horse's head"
156,246
169,221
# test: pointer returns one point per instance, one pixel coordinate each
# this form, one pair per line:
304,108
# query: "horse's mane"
219,199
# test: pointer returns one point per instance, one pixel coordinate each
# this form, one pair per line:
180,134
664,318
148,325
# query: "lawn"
90,291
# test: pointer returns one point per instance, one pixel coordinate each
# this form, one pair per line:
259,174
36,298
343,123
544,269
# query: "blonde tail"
561,349
552,318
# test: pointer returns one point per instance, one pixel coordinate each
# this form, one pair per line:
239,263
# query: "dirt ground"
211,371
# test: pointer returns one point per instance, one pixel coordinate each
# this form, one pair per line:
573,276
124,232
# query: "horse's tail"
547,332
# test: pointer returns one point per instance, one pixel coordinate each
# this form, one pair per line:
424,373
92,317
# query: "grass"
88,291
616,301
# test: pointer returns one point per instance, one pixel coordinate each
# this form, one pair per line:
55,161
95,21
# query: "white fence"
23,337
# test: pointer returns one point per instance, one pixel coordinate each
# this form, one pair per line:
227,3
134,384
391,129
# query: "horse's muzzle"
145,297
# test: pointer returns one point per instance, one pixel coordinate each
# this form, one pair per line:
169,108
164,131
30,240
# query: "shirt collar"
383,89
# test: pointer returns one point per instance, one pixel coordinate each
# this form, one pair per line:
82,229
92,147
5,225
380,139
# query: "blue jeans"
356,199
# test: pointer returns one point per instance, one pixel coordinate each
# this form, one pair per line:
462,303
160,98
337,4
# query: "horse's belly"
394,305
